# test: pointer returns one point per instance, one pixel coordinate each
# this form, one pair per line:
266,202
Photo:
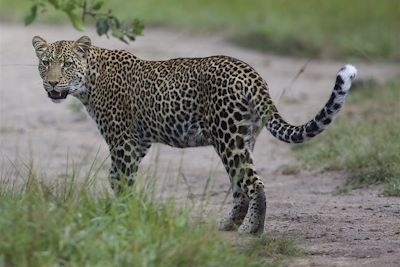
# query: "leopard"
217,101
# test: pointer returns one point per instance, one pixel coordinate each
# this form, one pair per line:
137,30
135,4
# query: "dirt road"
359,228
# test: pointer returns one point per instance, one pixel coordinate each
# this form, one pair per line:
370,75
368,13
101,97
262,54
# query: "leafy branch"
79,10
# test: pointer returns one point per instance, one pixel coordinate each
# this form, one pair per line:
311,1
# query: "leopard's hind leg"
249,201
235,147
236,215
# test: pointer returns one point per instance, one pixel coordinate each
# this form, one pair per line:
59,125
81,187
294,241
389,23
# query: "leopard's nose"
53,83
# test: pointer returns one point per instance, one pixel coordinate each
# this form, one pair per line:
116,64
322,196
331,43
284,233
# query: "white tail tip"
348,72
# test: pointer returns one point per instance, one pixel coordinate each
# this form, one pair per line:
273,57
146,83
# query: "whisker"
15,65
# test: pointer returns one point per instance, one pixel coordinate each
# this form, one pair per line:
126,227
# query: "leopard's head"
62,66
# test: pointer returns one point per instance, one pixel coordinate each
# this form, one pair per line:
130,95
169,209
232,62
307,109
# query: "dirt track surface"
358,228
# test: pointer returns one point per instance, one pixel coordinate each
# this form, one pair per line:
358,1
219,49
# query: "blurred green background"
365,29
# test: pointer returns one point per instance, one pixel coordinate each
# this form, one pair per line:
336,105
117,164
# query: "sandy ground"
358,228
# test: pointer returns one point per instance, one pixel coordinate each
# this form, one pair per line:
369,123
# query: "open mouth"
53,94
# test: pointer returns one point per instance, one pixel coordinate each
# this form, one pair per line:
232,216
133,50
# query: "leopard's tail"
298,134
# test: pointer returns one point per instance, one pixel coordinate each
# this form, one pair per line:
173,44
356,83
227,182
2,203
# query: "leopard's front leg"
125,160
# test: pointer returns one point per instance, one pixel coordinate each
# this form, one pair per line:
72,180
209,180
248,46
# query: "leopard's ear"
40,45
82,45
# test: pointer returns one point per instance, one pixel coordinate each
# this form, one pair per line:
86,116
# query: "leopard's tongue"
55,93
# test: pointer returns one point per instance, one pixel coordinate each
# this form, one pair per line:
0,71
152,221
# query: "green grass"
65,223
276,246
287,169
365,141
366,29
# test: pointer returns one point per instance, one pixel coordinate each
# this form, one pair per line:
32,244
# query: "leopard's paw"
226,224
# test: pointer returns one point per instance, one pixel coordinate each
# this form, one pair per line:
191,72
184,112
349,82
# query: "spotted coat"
183,102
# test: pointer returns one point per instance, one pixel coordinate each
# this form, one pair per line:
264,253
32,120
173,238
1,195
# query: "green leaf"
137,27
115,20
117,33
132,37
105,23
75,20
120,35
102,26
68,6
97,5
31,16
54,3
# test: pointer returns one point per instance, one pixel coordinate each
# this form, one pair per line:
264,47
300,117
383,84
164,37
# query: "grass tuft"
365,141
287,169
279,247
66,223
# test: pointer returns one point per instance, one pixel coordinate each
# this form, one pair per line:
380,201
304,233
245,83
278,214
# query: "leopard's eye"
45,62
67,64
